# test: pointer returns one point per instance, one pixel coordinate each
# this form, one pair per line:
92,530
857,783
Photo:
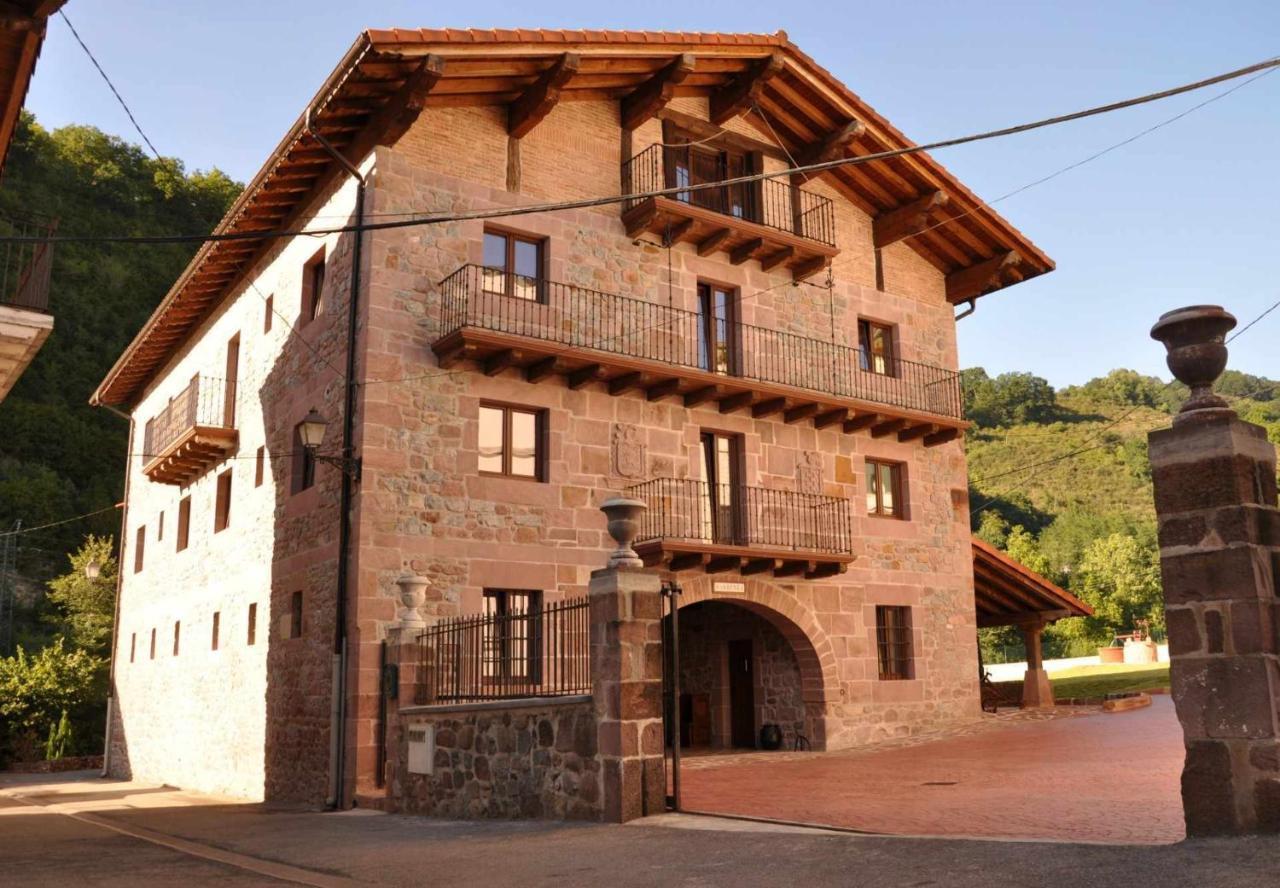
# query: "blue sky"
1182,216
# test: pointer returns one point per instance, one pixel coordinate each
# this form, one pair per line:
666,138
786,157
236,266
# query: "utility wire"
110,85
587,203
8,533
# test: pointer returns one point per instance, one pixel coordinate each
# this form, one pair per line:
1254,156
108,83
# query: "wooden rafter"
400,112
536,102
969,283
911,218
831,146
651,97
734,98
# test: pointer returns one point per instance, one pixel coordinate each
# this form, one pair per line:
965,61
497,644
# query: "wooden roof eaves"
986,557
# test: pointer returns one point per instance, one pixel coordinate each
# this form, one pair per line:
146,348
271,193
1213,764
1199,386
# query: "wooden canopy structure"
1007,594
388,77
22,28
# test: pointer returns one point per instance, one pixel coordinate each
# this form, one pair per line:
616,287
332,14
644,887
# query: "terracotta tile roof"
999,579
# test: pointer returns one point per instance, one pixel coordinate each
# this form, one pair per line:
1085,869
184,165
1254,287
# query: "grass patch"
1098,681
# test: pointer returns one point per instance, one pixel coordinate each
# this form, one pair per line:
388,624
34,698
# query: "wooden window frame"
895,645
313,280
898,472
501,636
708,335
866,326
251,636
684,144
139,548
184,524
231,383
540,424
512,237
222,502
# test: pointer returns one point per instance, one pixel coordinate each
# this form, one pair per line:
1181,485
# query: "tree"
87,604
1129,388
1008,399
1119,577
36,689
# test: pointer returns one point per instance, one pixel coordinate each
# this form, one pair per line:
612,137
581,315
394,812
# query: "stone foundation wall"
523,759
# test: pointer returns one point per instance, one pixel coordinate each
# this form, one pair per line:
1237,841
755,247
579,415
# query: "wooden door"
722,463
742,694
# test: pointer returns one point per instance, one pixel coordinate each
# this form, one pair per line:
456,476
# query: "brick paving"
1076,776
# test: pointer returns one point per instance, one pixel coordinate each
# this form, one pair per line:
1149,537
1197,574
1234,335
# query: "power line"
587,203
110,85
25,530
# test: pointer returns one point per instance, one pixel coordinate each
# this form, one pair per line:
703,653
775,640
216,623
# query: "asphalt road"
94,833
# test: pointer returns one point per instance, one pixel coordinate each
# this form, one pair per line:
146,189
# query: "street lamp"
93,569
311,433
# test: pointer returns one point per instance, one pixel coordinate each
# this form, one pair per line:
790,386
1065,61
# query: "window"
253,623
513,639
893,642
177,635
184,522
259,466
153,644
133,645
313,288
304,463
140,542
230,383
721,508
295,616
884,489
269,311
513,265
875,348
217,618
692,161
717,329
511,441
222,503
160,528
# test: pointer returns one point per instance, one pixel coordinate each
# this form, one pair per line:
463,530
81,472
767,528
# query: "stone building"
770,365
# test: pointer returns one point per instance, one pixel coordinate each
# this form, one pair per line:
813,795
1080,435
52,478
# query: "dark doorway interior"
742,699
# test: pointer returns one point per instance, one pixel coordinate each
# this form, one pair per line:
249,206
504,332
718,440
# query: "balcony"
194,431
632,345
778,223
25,268
720,527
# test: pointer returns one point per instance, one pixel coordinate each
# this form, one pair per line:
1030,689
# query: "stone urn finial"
624,525
413,594
1195,338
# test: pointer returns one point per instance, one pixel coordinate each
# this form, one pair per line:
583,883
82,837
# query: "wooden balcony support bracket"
450,354
738,401
653,95
793,568
677,232
626,382
664,389
702,395
884,429
540,370
910,433
585,375
686,560
745,250
768,407
722,563
911,218
712,242
773,260
738,96
822,571
758,565
537,101
972,282
501,360
941,437
860,422
402,110
639,221
799,412
809,267
830,417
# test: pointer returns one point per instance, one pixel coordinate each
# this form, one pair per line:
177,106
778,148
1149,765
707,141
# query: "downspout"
115,611
338,708
973,306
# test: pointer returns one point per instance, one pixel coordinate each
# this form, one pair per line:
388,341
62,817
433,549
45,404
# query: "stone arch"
815,656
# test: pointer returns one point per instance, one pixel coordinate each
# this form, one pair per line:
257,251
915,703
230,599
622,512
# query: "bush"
36,690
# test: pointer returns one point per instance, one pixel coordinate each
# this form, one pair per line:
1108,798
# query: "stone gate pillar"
626,666
1219,530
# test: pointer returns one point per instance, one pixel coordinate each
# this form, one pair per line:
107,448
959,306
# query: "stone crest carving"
628,450
809,472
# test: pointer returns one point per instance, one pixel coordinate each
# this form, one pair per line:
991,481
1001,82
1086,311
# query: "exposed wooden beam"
664,389
400,111
863,421
624,383
537,101
686,560
799,412
830,417
757,565
722,563
654,94
499,361
822,571
911,218
808,267
742,252
768,407
712,242
733,98
736,402
886,428
972,282
701,396
831,146
773,260
678,232
941,437
584,375
540,370
792,568
918,431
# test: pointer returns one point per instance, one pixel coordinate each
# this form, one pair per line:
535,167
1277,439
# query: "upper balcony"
720,527
778,223
195,430
25,269
544,328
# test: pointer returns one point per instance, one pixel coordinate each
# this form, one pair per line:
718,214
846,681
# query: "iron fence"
769,202
25,266
205,401
565,314
533,651
737,515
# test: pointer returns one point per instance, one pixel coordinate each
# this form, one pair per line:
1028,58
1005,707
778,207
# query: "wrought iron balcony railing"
568,315
686,510
775,204
205,403
25,266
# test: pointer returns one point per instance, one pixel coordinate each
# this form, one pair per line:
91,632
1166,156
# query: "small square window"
512,442
876,348
313,288
893,642
222,503
885,489
513,265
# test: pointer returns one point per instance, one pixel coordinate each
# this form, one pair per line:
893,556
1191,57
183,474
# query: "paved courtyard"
1093,777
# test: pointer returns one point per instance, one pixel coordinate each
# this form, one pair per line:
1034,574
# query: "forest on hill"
1060,480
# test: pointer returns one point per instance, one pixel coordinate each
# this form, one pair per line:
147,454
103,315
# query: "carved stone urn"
624,524
413,594
1195,338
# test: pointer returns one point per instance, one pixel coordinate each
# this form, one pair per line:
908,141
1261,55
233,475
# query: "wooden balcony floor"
539,360
714,232
685,555
191,455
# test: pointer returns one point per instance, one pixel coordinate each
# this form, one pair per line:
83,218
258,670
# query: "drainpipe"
115,611
973,306
338,709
